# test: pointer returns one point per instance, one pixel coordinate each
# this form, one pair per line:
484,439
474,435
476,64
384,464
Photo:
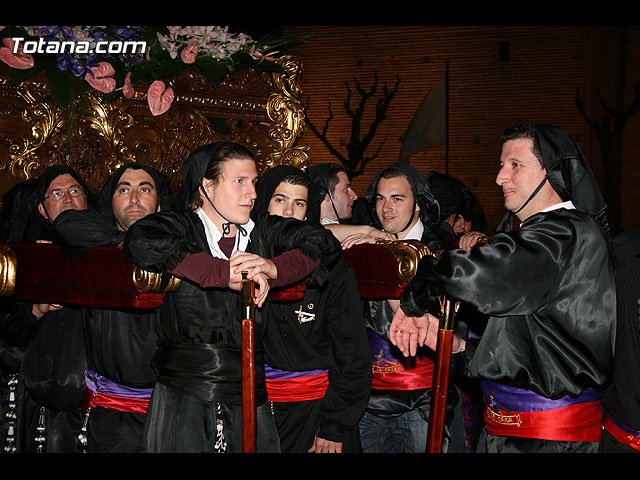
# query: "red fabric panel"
375,267
103,277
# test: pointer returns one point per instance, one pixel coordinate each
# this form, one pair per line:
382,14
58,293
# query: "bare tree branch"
609,130
356,160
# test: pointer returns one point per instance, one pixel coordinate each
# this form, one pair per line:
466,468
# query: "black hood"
162,184
270,180
53,172
570,174
17,205
454,196
429,208
320,174
568,170
40,227
193,170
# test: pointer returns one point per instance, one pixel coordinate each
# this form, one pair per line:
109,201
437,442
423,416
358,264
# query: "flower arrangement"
112,60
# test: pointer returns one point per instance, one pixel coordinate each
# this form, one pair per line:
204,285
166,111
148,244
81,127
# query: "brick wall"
537,82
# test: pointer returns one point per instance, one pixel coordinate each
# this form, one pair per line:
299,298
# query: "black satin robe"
622,396
199,364
549,288
52,373
119,344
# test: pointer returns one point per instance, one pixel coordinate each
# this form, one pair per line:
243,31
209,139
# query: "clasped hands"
260,270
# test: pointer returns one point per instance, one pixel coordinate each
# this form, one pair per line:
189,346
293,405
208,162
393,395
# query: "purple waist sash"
521,400
277,374
98,383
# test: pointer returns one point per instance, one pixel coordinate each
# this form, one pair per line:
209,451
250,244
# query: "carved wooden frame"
259,110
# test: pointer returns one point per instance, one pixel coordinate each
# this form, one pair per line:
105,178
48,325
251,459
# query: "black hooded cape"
548,287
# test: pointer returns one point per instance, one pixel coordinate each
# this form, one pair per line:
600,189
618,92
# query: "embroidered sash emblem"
385,366
498,414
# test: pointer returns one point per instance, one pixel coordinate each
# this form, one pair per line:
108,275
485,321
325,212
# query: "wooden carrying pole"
248,367
441,376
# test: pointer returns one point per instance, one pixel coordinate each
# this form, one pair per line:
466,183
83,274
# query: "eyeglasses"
56,195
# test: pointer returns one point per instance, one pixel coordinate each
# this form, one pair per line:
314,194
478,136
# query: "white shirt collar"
415,233
328,221
568,205
213,235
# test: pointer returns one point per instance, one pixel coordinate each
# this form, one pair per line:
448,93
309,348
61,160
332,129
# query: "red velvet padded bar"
102,277
376,269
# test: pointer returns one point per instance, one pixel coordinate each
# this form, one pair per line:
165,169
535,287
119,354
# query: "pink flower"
190,52
127,89
101,79
159,97
19,60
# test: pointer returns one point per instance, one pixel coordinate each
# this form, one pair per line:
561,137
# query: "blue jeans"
406,433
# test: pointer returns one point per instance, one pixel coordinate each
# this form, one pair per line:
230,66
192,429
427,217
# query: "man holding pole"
197,401
397,416
546,353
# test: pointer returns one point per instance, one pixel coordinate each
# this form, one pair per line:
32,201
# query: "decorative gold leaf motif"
8,265
150,282
408,253
287,112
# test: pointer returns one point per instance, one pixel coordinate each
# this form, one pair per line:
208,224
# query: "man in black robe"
547,351
397,415
317,358
197,400
49,414
120,344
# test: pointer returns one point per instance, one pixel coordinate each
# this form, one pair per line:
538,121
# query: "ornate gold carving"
46,120
287,113
150,282
110,121
408,253
259,110
8,264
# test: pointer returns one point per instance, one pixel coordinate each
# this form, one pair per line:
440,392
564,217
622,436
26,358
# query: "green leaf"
215,72
17,76
62,85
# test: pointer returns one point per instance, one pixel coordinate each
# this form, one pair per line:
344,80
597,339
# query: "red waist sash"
114,402
286,386
621,432
389,373
516,412
105,393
